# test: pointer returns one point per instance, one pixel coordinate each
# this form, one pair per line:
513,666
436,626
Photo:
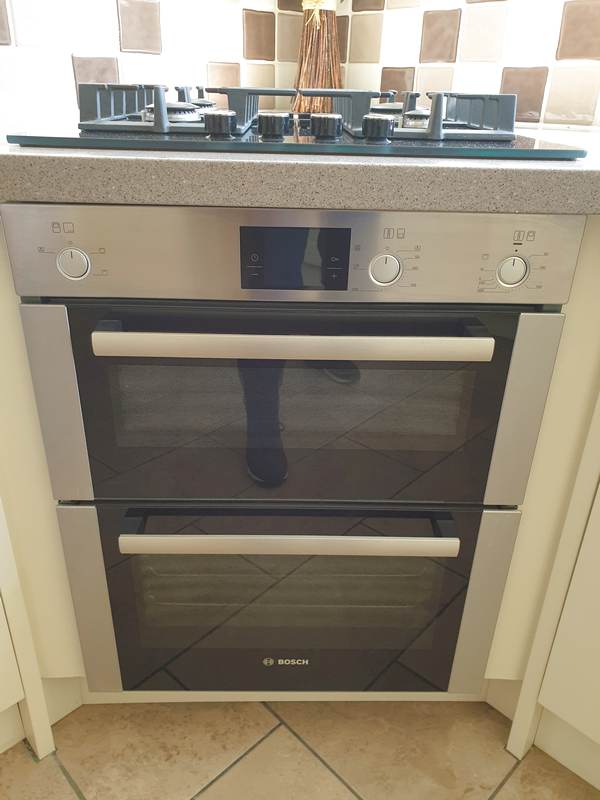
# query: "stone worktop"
290,181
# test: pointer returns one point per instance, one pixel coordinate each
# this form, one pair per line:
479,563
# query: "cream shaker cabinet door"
571,686
11,689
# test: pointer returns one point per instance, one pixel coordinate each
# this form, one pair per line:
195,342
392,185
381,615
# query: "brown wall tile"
580,30
95,70
401,79
289,33
139,26
289,5
529,84
365,38
259,35
4,26
440,35
222,74
367,5
343,26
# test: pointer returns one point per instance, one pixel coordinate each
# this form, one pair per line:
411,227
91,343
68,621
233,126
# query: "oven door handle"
146,344
188,545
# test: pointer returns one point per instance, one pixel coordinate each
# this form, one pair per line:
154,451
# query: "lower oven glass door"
215,403
344,600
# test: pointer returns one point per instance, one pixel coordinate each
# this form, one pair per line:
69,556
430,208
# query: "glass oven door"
276,402
245,599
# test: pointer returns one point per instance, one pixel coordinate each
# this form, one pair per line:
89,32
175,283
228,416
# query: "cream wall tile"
401,39
223,19
259,75
285,75
477,77
365,38
363,76
533,29
66,23
402,3
433,79
482,32
573,95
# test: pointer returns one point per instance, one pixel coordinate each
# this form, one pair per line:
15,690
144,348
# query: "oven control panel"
291,255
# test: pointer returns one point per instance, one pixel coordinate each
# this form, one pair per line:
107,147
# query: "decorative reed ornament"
319,58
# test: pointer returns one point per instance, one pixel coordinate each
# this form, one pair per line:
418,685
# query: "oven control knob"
326,127
513,271
385,269
220,123
73,263
378,127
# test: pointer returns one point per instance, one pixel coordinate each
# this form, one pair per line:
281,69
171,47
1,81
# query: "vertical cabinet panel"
571,687
11,689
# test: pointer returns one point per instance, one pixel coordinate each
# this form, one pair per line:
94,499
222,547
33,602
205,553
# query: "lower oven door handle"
146,344
160,544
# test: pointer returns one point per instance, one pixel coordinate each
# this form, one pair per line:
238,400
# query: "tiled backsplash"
547,51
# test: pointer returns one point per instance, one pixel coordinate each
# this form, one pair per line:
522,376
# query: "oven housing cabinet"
408,413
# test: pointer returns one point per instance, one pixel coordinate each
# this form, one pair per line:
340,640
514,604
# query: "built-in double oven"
281,465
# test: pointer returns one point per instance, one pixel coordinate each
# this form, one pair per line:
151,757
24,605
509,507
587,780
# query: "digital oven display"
294,258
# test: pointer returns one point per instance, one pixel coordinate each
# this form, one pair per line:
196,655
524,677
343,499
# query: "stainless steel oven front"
288,446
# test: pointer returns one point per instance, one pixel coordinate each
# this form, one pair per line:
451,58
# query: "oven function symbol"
512,271
56,227
519,236
389,233
385,269
400,233
254,258
73,263
68,227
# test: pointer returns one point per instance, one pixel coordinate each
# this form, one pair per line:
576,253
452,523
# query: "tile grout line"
236,761
314,752
68,777
505,780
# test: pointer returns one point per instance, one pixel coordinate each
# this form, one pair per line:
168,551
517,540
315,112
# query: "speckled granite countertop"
219,179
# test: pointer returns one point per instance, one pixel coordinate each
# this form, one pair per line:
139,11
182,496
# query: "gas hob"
132,116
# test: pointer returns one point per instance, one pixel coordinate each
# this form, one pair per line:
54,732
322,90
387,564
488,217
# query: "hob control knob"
513,271
73,263
385,269
326,126
378,127
273,124
220,123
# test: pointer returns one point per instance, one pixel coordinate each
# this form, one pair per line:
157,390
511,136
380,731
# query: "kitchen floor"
293,751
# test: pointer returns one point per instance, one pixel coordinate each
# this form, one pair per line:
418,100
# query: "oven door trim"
80,534
491,563
525,393
48,341
82,547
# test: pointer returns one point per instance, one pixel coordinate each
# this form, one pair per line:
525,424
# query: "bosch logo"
286,662
268,662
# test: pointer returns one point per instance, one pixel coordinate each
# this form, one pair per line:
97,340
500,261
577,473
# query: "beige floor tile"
540,777
21,778
280,767
407,751
155,751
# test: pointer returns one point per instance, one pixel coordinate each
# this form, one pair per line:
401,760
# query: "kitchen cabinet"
571,685
11,688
